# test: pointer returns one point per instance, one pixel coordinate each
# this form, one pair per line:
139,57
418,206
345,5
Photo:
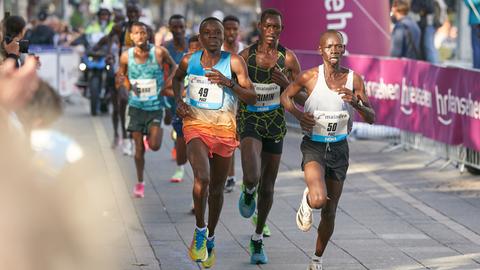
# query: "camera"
23,45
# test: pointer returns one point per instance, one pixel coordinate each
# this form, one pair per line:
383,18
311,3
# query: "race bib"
268,97
145,89
330,126
203,94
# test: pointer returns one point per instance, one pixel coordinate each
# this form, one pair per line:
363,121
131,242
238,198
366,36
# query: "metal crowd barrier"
59,67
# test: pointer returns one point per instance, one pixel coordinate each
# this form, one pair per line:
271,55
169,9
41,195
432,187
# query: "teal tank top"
146,80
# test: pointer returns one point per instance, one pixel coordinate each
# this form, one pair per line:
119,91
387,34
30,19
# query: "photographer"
13,44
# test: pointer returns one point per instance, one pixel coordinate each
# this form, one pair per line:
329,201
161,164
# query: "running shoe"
304,214
139,190
211,254
246,203
198,247
127,147
315,264
266,230
257,254
146,146
229,185
177,177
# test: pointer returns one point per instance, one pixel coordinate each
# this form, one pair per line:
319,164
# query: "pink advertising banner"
441,103
365,21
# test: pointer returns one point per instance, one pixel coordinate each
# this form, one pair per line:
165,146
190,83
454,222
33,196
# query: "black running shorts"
332,156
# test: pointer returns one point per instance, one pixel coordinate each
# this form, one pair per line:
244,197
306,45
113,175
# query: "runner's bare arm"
306,119
164,58
293,70
363,106
177,85
358,99
244,88
244,53
121,76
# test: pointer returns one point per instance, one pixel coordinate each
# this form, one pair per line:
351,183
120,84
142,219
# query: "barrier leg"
432,161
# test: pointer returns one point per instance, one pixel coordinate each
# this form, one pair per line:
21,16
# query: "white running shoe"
127,147
315,264
304,214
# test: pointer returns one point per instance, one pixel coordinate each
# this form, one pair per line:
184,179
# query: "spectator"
42,34
100,27
474,21
406,33
423,12
13,44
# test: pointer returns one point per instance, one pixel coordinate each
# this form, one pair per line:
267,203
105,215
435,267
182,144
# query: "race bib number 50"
268,97
203,94
330,126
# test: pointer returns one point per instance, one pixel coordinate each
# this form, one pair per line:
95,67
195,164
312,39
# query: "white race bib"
201,93
330,126
145,89
268,97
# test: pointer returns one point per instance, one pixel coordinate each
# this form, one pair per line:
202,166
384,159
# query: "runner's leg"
197,153
270,165
327,223
139,154
218,176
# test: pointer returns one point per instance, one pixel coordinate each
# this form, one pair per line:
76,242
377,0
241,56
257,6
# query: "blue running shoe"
246,203
198,247
257,254
211,254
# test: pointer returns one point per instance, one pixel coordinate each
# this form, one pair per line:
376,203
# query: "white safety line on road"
427,210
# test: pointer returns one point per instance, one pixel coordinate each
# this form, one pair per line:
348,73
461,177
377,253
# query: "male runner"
143,65
333,92
120,35
209,126
262,126
231,44
177,47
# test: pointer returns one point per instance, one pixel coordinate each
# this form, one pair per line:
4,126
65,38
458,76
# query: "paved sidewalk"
394,213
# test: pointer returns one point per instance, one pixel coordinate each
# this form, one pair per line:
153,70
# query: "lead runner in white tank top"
334,116
334,92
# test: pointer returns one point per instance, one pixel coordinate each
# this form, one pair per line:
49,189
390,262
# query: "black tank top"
269,124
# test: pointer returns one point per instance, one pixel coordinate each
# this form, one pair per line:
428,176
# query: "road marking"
427,210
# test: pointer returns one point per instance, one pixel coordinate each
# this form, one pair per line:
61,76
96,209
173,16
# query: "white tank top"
333,116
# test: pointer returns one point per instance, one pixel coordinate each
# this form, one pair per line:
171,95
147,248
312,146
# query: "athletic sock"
201,229
256,236
250,191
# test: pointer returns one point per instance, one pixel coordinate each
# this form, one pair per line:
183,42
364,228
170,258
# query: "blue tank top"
225,112
147,80
176,55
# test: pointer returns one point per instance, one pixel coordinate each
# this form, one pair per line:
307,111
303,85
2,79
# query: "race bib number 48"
268,97
145,89
330,126
203,94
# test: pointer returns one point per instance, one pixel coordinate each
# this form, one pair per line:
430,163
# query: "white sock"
317,258
201,229
250,191
180,168
210,238
256,236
